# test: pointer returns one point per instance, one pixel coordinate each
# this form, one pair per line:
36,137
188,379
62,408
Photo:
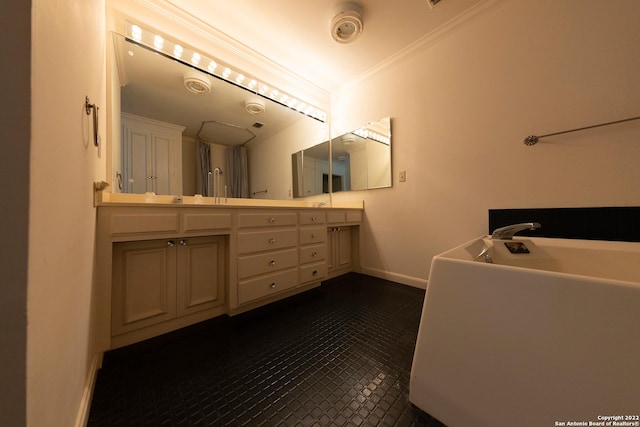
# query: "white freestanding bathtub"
533,339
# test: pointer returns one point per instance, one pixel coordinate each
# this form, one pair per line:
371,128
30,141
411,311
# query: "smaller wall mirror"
361,159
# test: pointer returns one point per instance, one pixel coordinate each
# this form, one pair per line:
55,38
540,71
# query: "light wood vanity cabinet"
155,281
161,268
342,241
267,254
313,246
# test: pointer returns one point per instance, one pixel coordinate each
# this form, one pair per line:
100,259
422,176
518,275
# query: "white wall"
68,63
462,106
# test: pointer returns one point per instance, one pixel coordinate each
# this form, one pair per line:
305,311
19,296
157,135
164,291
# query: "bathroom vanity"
163,265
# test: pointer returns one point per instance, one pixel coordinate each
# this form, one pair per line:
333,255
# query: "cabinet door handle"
272,286
171,243
272,241
272,263
183,242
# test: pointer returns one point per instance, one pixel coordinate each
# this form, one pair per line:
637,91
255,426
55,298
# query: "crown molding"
230,50
428,40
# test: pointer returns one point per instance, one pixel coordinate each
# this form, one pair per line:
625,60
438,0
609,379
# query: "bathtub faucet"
506,233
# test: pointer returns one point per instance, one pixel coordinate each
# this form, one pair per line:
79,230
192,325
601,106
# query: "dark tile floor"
339,355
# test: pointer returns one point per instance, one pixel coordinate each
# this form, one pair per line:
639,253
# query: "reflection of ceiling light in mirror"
172,49
367,133
254,106
347,24
197,83
348,139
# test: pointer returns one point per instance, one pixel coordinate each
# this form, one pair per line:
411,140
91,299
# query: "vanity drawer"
313,234
205,222
313,253
257,241
249,290
336,217
354,216
312,218
344,217
143,223
267,219
253,265
313,272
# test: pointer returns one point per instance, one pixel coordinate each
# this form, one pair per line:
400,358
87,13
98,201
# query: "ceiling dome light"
197,83
254,106
346,24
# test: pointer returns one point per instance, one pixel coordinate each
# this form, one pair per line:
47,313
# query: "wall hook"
89,107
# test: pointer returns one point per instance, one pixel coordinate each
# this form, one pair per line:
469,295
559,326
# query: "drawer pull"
183,243
314,253
272,263
315,273
272,220
272,241
171,243
314,218
313,236
273,286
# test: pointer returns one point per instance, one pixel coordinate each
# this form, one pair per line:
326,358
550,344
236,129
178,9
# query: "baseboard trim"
416,282
85,404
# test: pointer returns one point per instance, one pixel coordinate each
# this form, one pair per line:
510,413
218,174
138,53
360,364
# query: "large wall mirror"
360,160
172,121
175,117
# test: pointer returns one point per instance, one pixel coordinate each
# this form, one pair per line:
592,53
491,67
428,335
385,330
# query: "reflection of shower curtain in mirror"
237,175
204,167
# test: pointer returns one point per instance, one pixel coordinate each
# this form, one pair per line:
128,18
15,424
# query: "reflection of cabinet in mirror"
151,156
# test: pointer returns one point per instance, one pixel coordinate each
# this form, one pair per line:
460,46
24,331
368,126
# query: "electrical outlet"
403,176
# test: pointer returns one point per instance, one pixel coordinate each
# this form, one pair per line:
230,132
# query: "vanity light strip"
370,134
187,56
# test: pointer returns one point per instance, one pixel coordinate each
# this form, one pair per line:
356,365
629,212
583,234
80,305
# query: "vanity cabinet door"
200,273
339,247
156,281
144,284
